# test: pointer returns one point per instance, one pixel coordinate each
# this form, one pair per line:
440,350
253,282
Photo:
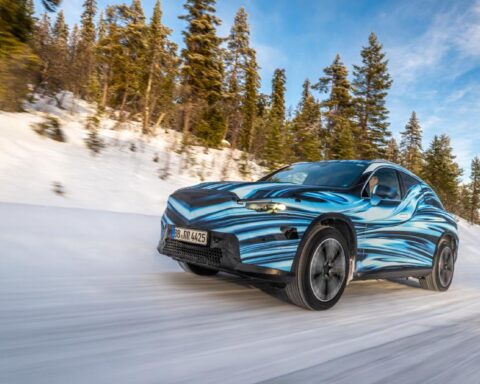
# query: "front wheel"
441,276
321,271
197,269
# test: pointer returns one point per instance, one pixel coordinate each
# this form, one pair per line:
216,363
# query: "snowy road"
84,298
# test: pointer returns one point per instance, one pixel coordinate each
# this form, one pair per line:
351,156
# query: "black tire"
197,269
313,272
443,268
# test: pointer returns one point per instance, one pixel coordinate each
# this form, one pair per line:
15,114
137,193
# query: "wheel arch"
453,240
338,221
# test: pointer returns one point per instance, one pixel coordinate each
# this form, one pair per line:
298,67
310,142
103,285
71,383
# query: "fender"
325,220
455,241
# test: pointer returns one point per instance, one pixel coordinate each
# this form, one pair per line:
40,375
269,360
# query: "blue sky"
433,47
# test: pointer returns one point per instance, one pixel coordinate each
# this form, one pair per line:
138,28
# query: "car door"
427,223
386,233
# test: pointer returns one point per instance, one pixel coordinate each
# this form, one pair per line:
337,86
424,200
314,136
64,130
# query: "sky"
433,48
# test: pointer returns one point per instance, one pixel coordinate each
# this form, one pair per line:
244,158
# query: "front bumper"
221,253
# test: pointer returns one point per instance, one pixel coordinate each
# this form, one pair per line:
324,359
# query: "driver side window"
386,177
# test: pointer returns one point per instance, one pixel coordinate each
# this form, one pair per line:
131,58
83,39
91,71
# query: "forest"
209,90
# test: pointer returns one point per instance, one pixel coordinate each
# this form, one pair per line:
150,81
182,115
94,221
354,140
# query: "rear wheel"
321,271
441,276
197,269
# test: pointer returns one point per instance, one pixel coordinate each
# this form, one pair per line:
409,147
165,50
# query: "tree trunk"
146,106
124,102
159,121
103,103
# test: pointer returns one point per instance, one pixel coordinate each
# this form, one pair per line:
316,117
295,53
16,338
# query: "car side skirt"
394,273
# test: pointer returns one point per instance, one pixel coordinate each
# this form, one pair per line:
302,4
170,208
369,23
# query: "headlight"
266,206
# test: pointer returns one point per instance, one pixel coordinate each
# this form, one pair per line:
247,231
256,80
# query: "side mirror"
382,192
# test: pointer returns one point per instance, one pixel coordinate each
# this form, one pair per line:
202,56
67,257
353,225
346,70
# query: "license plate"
189,235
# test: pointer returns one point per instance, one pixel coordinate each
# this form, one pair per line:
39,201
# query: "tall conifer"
338,111
393,152
370,86
86,49
249,106
275,134
475,190
237,57
159,64
442,172
202,73
306,127
411,145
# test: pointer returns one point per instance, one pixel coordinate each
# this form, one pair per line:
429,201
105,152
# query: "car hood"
239,190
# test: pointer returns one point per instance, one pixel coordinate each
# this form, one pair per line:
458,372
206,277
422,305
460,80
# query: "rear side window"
408,182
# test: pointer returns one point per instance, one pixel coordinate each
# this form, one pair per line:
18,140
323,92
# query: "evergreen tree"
42,46
159,65
442,172
17,61
411,145
110,56
236,60
274,141
465,201
475,190
393,152
129,45
338,111
85,63
58,70
249,107
306,127
202,73
261,125
370,86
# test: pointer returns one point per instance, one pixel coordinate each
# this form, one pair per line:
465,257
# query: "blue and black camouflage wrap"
391,235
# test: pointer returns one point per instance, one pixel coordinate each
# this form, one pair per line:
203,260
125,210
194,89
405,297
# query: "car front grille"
193,253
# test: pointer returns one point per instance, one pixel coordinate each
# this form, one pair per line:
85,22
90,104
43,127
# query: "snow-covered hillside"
123,177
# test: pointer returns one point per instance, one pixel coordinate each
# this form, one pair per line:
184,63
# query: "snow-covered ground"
85,298
118,179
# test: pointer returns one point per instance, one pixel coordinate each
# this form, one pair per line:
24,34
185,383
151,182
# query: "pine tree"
249,107
306,127
17,61
42,46
73,43
58,70
85,63
475,190
465,201
338,110
411,145
274,142
442,172
236,60
261,126
202,73
126,41
370,86
159,65
393,152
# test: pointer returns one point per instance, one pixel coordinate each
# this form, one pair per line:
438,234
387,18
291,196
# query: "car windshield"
339,174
